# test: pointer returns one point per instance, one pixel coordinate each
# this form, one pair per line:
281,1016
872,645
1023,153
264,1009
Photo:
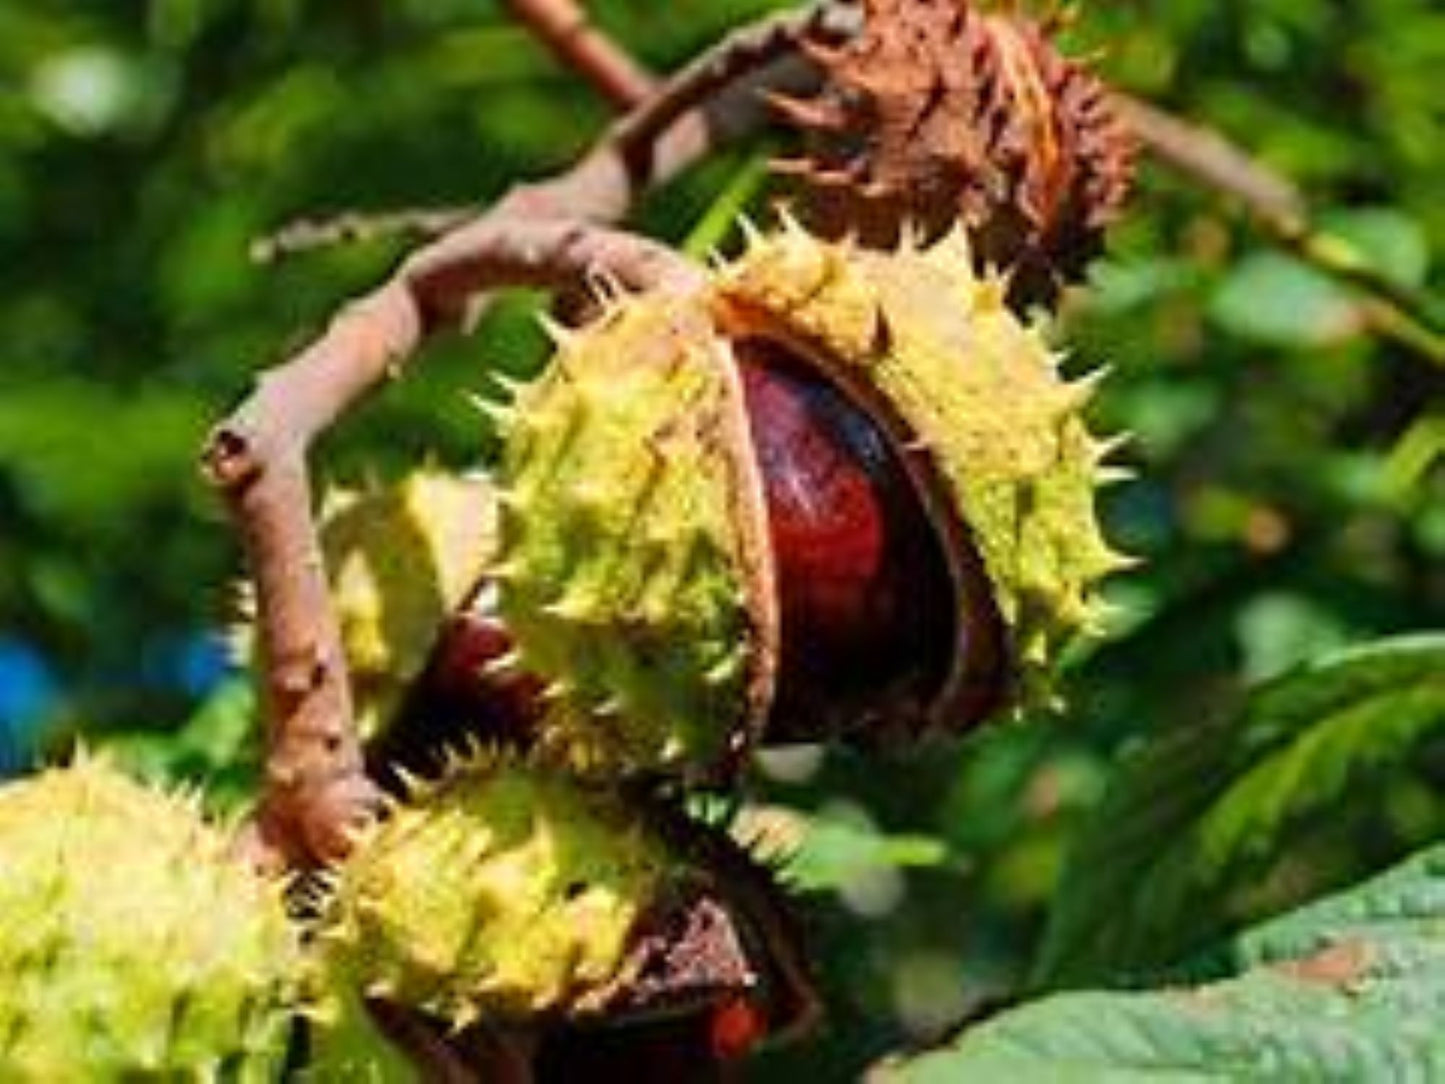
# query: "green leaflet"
1198,816
1407,901
1348,988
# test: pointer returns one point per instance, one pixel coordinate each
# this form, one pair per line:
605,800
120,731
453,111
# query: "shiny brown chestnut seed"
457,698
655,1051
651,1052
863,589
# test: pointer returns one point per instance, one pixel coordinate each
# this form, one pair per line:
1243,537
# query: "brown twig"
316,789
597,58
305,234
1209,158
1280,208
709,102
563,26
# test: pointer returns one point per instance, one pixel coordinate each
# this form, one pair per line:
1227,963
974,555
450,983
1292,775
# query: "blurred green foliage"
1290,497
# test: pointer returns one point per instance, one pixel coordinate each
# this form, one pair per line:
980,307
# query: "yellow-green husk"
633,574
506,891
401,559
132,944
632,570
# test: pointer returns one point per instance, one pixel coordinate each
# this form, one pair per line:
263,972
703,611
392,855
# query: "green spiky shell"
634,568
132,945
633,572
400,560
935,354
506,891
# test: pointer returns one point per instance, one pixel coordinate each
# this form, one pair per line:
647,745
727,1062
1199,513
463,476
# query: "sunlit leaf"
1383,238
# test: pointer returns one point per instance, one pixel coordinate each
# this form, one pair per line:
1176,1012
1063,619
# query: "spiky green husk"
633,573
132,945
931,350
401,559
506,891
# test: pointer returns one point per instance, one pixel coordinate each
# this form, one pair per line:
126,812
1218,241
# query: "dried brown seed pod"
938,112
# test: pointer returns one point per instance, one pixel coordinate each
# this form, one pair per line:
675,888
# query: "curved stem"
304,234
316,791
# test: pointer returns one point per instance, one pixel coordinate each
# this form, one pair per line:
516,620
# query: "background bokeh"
1289,499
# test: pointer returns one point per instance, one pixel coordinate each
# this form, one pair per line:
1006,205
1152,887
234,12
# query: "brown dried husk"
940,112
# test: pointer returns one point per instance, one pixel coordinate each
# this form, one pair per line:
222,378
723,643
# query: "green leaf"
1343,1015
1349,988
721,217
839,849
1405,902
1195,821
1280,629
836,850
1383,238
215,748
60,444
1275,299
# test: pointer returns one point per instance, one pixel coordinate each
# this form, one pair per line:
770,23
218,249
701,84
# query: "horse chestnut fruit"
835,492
